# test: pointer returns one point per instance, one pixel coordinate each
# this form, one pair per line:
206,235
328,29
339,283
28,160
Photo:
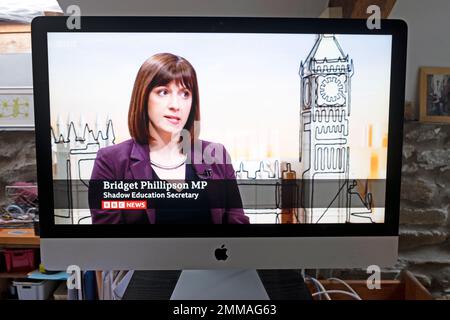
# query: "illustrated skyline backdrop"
249,87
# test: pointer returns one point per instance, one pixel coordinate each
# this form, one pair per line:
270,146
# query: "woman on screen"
163,123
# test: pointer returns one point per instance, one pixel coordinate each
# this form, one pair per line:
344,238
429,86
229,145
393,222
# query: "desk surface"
159,285
18,237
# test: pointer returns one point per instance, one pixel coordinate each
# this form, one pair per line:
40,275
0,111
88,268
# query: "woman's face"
168,108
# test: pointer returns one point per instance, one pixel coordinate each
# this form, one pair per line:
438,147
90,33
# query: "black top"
183,210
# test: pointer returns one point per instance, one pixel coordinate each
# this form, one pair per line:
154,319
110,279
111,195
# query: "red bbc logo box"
125,205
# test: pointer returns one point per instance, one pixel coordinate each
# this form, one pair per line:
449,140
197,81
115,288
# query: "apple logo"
221,253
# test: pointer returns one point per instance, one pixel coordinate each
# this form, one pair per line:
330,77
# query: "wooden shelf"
15,38
13,275
406,288
21,237
10,27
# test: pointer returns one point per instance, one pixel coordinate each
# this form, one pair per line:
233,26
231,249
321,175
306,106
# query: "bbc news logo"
124,205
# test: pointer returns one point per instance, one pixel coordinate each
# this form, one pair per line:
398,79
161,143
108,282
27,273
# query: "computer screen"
245,129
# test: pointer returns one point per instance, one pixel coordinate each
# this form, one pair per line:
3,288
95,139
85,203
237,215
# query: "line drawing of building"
74,149
324,134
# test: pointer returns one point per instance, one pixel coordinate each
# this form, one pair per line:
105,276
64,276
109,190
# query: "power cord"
345,284
319,287
326,292
321,291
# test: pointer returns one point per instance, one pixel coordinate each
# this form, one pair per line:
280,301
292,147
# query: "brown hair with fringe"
159,70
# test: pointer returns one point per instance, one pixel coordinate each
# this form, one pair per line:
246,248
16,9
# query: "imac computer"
198,143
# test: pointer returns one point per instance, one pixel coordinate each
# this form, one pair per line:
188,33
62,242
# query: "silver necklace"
169,167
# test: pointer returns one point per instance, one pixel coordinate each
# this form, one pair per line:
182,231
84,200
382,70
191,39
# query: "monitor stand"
233,284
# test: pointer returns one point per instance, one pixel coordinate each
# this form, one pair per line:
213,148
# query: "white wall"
16,70
428,38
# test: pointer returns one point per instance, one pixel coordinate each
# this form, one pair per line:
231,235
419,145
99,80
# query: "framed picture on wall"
16,108
435,94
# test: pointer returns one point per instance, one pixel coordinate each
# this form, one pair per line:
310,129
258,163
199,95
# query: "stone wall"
17,159
425,204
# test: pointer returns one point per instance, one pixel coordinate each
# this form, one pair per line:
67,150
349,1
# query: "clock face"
331,90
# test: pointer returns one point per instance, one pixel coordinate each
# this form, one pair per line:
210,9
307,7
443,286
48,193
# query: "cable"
323,291
318,284
326,292
305,277
345,284
318,289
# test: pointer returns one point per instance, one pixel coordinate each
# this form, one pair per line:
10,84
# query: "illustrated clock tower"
325,110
